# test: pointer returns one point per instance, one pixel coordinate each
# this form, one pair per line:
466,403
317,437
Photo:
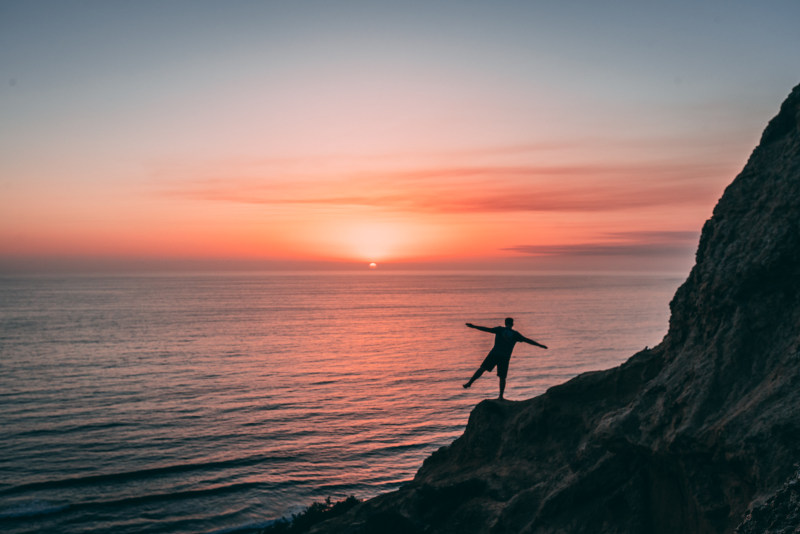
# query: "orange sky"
524,137
485,208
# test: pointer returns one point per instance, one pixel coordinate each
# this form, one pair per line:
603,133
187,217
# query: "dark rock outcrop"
699,434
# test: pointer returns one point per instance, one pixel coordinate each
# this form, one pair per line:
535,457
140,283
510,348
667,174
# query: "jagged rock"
699,434
780,514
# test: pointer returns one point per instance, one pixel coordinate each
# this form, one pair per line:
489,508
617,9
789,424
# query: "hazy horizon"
675,266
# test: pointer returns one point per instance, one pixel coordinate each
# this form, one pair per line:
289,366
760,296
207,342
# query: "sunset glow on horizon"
540,136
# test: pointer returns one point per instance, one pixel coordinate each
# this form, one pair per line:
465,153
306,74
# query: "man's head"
509,322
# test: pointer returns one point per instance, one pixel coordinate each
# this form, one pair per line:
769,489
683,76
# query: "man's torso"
504,340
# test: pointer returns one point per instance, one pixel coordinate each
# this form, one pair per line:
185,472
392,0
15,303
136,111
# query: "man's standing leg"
502,372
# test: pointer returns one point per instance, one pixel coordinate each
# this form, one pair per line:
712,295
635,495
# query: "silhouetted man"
505,337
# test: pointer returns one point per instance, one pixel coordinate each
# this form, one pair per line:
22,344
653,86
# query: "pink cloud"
636,243
475,189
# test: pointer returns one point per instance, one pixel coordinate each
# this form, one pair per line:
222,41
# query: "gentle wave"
42,508
170,496
249,527
32,509
127,476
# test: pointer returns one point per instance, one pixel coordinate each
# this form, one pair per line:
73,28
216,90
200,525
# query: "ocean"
218,403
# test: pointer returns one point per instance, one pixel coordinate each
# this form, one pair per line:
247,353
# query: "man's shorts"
499,360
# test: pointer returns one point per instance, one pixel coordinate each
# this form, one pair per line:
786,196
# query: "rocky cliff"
699,434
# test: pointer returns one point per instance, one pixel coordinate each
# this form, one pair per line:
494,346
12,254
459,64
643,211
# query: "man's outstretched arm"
532,342
481,328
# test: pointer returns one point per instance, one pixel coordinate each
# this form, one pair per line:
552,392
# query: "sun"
373,265
377,240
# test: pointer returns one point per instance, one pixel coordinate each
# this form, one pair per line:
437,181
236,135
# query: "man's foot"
467,385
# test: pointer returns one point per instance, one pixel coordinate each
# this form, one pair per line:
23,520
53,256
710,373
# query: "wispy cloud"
635,243
470,189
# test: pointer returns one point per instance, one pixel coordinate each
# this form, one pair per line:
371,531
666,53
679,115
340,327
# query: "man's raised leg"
476,376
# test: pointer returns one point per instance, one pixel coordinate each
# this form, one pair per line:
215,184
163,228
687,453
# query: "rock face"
700,434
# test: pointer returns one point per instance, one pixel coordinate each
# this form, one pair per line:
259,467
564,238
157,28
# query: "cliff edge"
699,434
